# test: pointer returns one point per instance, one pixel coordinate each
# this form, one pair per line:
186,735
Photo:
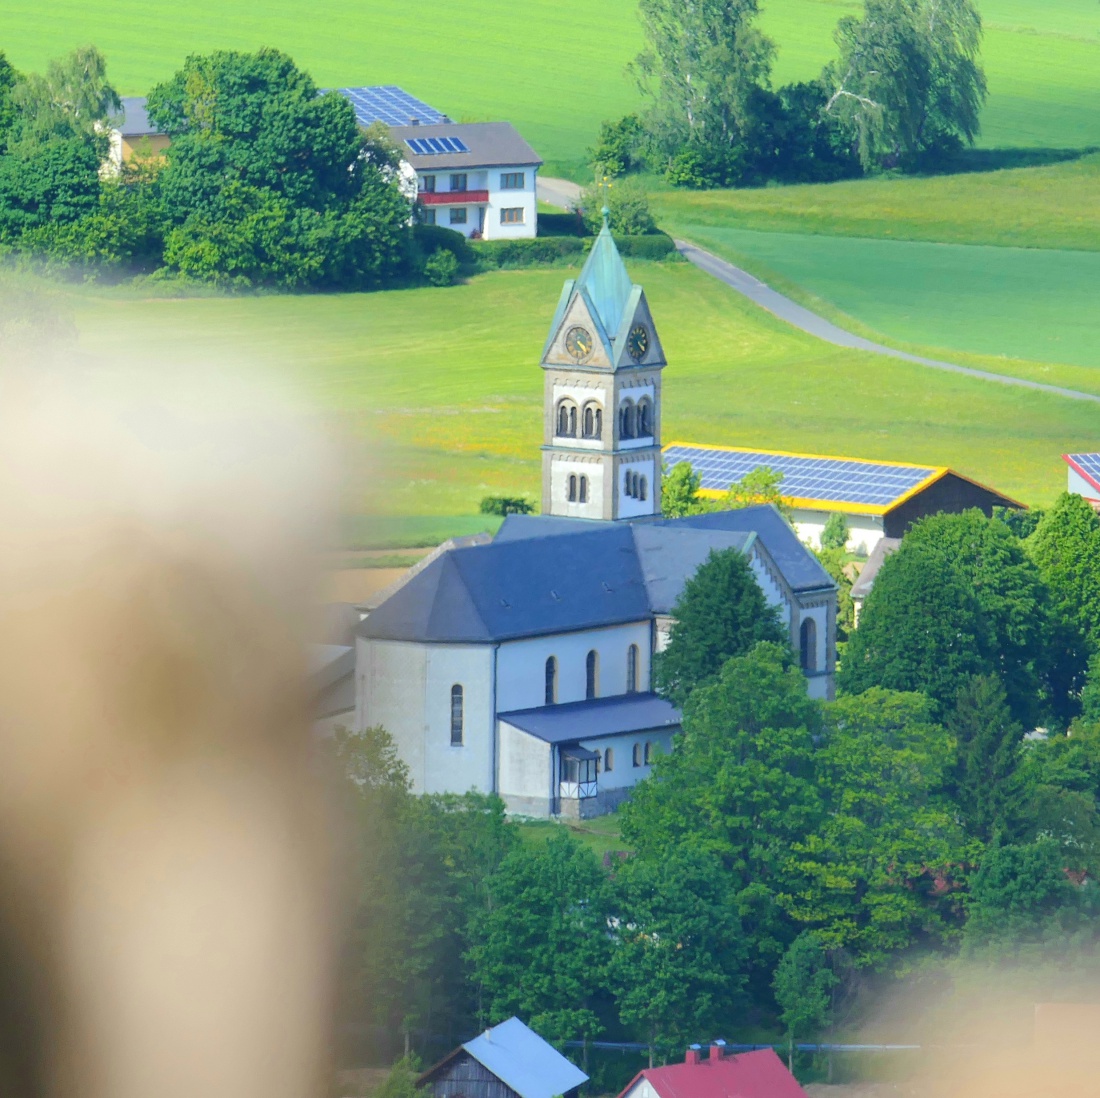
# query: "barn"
877,498
507,1061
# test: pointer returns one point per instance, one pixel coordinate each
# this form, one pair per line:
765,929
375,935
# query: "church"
521,667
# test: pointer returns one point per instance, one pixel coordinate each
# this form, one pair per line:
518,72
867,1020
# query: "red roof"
759,1074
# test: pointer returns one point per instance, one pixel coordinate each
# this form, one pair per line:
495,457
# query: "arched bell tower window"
592,421
582,494
626,419
592,675
644,418
572,487
552,681
567,420
807,647
641,488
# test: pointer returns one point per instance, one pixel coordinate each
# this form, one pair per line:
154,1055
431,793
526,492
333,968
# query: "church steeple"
602,363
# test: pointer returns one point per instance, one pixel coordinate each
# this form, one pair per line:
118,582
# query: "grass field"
435,395
554,67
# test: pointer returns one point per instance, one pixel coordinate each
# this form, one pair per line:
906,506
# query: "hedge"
541,250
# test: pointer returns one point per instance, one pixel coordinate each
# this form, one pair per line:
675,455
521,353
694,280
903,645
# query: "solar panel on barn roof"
1088,463
390,104
839,480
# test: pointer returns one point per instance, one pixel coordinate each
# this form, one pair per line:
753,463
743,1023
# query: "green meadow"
554,67
433,397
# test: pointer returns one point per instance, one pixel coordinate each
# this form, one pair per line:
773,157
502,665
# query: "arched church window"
641,488
572,432
567,419
807,648
632,669
637,754
599,423
583,492
609,759
626,419
552,681
592,675
592,418
647,758
456,715
644,418
572,488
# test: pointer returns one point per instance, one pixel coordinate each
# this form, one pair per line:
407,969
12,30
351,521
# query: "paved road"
557,192
793,313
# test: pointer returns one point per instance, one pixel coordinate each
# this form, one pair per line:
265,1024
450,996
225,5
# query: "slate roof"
491,144
866,580
759,1074
135,122
585,720
523,584
521,1060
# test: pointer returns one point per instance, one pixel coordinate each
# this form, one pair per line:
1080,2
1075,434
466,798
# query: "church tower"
601,454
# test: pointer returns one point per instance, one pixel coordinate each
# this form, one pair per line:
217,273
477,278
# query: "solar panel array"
1088,463
433,146
390,104
834,479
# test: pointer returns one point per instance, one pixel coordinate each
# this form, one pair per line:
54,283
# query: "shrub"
627,202
620,146
658,246
505,505
835,534
529,252
441,268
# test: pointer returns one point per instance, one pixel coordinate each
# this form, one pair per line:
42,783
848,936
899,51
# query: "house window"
807,652
511,181
456,715
632,669
427,215
458,182
609,759
582,495
637,754
427,184
572,488
552,680
647,757
592,675
458,215
513,215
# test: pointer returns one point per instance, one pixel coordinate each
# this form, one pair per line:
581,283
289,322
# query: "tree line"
267,182
905,91
788,853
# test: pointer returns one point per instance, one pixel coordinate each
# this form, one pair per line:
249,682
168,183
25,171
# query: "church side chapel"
522,666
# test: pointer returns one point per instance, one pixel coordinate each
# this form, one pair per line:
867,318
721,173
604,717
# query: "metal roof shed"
511,1054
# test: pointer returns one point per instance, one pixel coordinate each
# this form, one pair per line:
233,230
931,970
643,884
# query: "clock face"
637,343
578,342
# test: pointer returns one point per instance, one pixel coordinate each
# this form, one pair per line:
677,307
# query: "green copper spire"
605,280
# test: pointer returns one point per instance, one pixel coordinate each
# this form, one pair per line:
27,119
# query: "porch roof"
586,720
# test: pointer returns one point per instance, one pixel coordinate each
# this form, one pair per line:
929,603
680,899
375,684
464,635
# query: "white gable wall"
406,688
864,531
521,665
1081,487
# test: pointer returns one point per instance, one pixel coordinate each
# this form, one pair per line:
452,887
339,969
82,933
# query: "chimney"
414,121
716,1050
692,1055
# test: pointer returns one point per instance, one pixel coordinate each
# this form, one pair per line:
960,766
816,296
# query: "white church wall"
623,773
524,772
773,592
406,688
521,665
629,506
560,471
864,531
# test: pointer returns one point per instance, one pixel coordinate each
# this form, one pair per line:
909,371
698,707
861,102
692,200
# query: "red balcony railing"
452,198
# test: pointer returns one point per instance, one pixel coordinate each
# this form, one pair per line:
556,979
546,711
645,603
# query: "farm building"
507,1061
878,498
713,1074
1084,477
522,667
862,587
134,132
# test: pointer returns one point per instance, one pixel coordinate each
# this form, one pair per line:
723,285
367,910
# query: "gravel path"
801,317
557,192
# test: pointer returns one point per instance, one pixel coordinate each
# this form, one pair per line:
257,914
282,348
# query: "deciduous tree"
803,989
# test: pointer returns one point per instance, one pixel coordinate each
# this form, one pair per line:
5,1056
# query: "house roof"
759,1074
521,1060
1087,465
391,105
862,587
523,584
490,144
849,485
135,121
587,720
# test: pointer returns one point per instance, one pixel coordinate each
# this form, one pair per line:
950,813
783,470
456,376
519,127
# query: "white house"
522,667
477,178
1084,477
